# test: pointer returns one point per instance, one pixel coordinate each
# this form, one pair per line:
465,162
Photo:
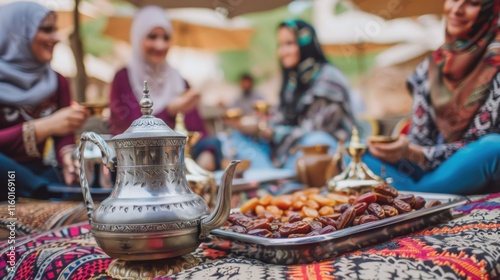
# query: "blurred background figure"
151,39
455,119
314,102
248,96
35,103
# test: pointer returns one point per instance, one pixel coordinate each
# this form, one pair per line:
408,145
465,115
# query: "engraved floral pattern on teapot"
151,213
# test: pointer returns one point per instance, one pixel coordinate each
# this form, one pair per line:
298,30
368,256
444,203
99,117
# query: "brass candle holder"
201,181
232,117
233,114
95,109
356,177
261,107
192,136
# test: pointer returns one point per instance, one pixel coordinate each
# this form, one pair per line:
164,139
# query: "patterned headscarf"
475,59
297,80
24,81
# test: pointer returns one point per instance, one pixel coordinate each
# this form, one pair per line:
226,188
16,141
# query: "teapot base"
148,246
121,269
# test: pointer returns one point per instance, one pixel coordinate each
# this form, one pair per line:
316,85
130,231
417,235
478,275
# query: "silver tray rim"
453,201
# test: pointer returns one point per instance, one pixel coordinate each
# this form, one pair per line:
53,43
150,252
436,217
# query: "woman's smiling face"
45,39
288,48
156,45
460,16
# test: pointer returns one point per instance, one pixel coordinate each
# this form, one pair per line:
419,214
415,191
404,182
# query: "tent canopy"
390,9
190,35
230,8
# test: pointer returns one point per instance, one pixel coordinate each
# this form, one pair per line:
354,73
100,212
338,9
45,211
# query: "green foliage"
353,66
123,7
94,42
234,63
340,8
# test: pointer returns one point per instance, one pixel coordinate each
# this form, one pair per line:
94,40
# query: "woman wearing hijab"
151,39
32,99
453,145
314,105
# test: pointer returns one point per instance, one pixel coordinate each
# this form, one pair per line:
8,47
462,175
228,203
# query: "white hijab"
24,81
164,82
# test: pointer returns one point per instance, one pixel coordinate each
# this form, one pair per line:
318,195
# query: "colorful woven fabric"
66,253
467,247
35,216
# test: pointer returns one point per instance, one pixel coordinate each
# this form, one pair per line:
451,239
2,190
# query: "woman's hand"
390,152
184,103
62,122
249,129
397,150
69,119
70,167
251,125
266,133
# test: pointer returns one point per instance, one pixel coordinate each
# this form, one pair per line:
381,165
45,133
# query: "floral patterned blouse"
423,129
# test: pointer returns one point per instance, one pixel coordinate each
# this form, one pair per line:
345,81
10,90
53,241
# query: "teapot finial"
146,102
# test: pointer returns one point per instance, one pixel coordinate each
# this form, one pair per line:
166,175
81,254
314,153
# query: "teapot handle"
107,160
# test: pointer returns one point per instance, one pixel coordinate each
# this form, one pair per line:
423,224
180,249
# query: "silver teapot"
151,212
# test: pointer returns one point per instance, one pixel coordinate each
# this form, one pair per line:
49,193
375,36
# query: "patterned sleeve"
327,109
331,110
322,115
424,132
327,116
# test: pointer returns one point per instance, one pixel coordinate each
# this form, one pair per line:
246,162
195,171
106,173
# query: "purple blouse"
125,108
12,119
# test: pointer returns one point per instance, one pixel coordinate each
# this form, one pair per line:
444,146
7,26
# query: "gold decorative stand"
262,109
131,270
357,176
200,180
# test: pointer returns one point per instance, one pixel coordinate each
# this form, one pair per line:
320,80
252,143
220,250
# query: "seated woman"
35,103
151,39
314,102
453,145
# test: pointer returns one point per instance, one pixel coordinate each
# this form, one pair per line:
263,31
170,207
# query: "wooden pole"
77,47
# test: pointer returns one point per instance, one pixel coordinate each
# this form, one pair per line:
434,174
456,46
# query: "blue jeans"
259,151
474,169
256,150
30,179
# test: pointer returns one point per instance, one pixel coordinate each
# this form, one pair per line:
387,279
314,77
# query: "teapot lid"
148,126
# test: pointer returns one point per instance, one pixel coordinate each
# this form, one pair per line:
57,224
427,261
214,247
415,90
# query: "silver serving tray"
321,247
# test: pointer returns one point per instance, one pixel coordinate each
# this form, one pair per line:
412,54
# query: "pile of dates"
308,213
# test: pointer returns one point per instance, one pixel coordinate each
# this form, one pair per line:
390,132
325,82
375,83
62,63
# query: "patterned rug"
35,216
467,247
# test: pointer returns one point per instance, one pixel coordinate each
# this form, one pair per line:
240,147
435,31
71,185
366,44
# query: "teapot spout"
223,204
